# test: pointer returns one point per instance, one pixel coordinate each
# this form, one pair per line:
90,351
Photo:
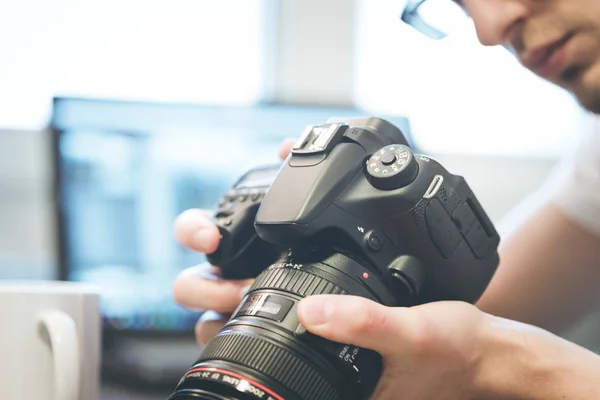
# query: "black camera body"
351,211
242,253
362,189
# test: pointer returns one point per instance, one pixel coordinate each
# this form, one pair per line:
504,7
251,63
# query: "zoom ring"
295,281
270,360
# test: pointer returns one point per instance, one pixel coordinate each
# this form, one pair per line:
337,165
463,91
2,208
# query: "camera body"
242,253
355,185
351,211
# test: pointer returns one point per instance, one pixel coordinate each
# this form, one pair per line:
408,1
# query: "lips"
549,60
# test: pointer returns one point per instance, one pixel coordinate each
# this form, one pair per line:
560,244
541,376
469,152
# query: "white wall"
157,50
26,216
315,52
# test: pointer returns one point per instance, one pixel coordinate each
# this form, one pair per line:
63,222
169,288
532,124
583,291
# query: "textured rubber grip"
296,281
270,360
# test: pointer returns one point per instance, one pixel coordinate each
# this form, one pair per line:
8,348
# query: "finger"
215,271
197,289
209,325
286,147
355,320
194,229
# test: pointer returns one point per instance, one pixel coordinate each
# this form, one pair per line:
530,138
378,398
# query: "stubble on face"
577,24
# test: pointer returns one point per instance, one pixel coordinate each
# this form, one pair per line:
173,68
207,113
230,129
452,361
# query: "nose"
497,20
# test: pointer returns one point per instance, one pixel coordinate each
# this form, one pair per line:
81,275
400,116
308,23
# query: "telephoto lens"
264,353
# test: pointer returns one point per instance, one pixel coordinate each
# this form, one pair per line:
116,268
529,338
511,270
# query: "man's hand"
453,351
430,352
200,287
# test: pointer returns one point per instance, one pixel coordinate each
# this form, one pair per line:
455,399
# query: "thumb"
355,320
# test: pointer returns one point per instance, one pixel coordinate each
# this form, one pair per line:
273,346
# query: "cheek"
583,49
591,79
589,54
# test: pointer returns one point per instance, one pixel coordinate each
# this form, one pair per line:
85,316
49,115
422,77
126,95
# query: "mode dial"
392,167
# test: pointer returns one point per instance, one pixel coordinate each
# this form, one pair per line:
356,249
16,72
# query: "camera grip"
246,261
238,254
241,254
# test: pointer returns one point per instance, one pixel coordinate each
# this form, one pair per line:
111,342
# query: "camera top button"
388,159
392,167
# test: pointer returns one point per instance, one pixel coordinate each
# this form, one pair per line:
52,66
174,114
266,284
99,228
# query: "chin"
590,101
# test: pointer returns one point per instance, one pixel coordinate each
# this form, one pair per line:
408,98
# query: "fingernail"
316,311
202,238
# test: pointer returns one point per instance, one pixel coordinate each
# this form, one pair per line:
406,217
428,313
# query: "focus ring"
270,360
296,281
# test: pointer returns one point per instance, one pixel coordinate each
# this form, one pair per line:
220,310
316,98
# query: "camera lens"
264,353
201,395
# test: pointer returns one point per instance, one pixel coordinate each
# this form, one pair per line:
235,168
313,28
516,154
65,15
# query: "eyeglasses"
434,18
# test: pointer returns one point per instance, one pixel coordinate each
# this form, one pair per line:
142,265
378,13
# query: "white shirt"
575,183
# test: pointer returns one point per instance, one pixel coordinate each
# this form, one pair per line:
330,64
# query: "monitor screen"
125,170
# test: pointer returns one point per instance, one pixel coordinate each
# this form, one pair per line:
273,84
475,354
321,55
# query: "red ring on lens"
240,377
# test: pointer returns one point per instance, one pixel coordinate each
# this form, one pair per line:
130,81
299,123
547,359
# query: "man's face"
558,40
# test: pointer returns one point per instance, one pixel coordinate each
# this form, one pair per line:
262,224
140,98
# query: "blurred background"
115,116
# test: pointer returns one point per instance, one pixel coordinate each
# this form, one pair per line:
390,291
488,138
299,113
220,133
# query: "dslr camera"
351,211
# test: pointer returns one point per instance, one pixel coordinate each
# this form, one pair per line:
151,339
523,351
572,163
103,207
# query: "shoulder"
574,185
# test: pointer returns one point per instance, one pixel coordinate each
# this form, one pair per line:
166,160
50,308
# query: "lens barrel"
264,353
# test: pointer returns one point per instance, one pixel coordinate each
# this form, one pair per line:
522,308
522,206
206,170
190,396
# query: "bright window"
460,96
176,50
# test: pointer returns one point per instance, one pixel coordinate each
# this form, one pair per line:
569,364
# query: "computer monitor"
125,170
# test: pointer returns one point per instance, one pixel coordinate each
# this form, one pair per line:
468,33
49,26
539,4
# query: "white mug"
50,335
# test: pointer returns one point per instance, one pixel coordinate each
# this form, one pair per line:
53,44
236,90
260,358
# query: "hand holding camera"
352,212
